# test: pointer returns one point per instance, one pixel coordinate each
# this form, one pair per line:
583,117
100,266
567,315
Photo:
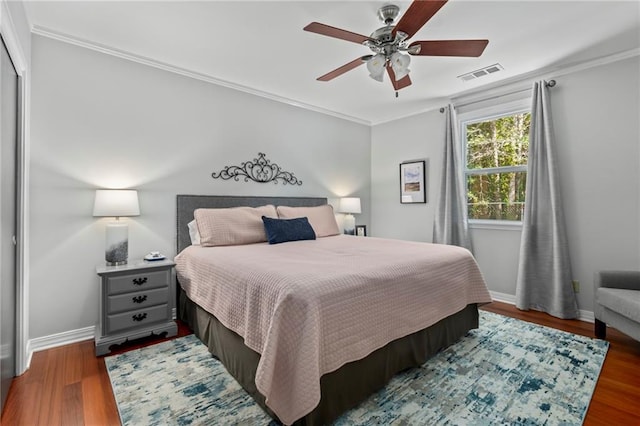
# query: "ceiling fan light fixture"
377,77
414,49
400,64
376,66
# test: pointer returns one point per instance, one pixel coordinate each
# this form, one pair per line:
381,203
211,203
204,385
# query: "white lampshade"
116,203
376,66
350,205
400,65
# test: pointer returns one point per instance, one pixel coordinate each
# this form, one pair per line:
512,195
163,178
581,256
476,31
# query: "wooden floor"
70,386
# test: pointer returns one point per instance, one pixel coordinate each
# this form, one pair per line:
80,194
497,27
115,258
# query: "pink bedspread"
308,307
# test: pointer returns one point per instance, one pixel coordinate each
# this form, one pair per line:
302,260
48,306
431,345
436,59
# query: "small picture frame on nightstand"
361,230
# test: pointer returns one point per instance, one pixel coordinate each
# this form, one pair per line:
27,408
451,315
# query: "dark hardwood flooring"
70,386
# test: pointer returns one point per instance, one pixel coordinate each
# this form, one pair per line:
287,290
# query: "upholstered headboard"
186,204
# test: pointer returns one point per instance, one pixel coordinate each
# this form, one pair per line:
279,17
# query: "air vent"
491,69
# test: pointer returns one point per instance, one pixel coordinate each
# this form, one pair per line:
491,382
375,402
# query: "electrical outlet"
576,286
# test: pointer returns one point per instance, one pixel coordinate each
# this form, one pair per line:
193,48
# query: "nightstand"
136,300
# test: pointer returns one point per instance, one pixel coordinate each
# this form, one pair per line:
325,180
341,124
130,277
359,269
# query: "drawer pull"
139,317
140,281
139,299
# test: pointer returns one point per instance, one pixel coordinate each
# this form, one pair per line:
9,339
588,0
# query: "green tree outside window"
496,156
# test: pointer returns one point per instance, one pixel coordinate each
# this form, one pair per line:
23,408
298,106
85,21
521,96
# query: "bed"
306,360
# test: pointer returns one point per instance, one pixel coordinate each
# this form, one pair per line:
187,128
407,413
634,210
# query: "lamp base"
349,224
117,244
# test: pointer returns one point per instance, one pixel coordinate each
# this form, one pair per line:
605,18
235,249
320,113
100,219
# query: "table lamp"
116,203
350,205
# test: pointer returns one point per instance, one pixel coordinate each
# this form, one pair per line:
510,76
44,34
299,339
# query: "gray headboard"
186,204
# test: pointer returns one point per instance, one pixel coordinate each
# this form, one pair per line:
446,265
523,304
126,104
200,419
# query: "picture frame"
413,182
361,230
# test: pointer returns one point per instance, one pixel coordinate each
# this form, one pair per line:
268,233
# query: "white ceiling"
260,45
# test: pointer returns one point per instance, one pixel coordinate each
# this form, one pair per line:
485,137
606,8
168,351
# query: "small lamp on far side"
350,205
116,203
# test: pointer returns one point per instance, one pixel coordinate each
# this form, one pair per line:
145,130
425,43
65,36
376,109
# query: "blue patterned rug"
506,372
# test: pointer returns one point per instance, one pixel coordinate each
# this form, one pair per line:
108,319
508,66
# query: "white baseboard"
586,316
583,315
58,339
503,297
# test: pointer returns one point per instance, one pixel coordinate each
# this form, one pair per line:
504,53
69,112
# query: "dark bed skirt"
344,388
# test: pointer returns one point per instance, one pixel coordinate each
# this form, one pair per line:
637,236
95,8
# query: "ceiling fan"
391,41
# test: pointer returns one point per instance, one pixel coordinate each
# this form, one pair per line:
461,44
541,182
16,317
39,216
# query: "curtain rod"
550,83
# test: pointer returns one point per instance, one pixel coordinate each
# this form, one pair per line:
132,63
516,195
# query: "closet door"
8,150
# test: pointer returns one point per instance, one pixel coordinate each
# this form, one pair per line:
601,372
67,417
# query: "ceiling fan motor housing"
384,41
383,35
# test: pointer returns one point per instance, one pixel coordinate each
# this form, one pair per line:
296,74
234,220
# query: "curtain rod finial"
551,83
442,109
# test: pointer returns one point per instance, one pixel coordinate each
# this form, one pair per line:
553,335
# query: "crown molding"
472,95
516,83
98,47
430,105
524,81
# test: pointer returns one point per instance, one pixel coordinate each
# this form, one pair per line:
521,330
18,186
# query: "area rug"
506,372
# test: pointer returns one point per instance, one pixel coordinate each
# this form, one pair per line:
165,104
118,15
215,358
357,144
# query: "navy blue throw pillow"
283,230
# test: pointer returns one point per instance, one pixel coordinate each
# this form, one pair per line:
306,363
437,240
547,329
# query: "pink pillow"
232,226
321,218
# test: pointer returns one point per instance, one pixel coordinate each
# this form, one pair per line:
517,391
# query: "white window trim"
487,114
500,225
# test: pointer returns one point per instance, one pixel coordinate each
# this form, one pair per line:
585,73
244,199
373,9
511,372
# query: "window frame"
487,114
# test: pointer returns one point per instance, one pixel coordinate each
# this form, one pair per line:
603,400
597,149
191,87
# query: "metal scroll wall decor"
259,170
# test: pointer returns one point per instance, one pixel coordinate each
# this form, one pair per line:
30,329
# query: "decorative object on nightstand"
116,203
154,256
136,300
361,230
350,205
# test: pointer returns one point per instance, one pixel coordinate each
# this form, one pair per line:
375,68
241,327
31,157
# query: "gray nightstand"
136,300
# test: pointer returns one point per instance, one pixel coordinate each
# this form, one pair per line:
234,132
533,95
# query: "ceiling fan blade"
339,71
417,15
400,84
472,48
322,29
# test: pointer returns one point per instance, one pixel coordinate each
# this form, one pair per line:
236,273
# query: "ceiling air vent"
491,69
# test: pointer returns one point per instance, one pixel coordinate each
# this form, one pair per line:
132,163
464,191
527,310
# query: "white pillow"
194,234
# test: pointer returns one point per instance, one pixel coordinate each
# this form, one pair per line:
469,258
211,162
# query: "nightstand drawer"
137,318
137,282
138,300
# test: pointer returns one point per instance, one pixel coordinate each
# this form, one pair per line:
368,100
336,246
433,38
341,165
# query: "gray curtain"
544,269
451,225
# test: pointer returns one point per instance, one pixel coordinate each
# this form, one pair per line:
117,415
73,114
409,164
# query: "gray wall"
99,121
596,122
413,138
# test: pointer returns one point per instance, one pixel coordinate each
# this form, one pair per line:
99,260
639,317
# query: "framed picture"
361,230
413,182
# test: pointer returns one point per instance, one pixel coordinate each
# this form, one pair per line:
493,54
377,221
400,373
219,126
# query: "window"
496,153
